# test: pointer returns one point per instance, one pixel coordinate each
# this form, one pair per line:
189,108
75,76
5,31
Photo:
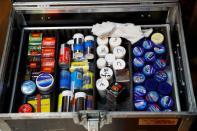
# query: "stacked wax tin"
41,61
151,91
76,79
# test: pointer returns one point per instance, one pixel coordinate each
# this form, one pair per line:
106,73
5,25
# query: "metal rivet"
142,15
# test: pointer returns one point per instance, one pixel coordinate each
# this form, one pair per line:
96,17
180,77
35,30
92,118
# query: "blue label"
139,91
139,78
86,80
140,104
148,44
150,56
154,108
89,44
166,102
152,96
161,76
78,47
76,80
65,79
138,62
160,64
44,80
138,51
160,49
148,70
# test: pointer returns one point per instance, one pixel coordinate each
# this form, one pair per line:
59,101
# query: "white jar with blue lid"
44,82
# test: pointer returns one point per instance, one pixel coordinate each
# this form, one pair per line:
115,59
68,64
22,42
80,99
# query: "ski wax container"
140,104
119,52
102,50
101,63
110,58
102,41
80,101
119,64
114,42
157,38
102,84
138,51
44,82
28,87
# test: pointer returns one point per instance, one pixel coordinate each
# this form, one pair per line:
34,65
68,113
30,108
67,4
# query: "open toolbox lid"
59,2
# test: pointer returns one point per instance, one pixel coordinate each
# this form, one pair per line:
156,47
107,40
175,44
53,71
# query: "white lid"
78,35
106,72
102,40
70,42
102,50
115,41
102,84
119,52
157,38
101,62
80,94
67,93
89,38
110,58
119,64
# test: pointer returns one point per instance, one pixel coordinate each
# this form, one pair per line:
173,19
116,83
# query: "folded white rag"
128,31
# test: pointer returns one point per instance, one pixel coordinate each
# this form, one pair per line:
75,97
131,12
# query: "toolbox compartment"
62,20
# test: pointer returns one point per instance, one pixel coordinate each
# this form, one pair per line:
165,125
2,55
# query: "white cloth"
128,31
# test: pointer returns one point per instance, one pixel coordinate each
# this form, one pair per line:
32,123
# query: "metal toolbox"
63,19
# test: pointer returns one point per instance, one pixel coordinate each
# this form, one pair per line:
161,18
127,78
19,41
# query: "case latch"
92,120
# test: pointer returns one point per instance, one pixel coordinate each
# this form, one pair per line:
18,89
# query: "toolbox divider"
131,74
63,34
13,95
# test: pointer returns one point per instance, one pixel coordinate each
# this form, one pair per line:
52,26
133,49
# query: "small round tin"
152,97
139,91
28,87
139,78
138,62
147,44
138,51
148,70
153,108
166,102
161,76
160,64
160,49
140,104
150,56
151,84
164,88
44,82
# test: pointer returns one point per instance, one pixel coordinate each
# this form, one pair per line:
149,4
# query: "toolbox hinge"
92,120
